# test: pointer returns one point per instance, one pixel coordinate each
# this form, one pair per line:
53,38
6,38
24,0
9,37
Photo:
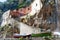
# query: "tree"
1,5
9,4
13,3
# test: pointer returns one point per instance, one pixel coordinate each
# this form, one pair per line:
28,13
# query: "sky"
2,0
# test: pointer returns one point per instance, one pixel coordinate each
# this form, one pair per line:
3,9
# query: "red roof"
22,11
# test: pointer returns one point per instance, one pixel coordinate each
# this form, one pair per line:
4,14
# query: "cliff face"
57,31
58,11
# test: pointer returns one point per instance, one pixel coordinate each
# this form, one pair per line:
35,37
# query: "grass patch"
41,35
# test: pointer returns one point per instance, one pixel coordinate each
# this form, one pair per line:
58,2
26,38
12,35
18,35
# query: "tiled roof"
21,11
